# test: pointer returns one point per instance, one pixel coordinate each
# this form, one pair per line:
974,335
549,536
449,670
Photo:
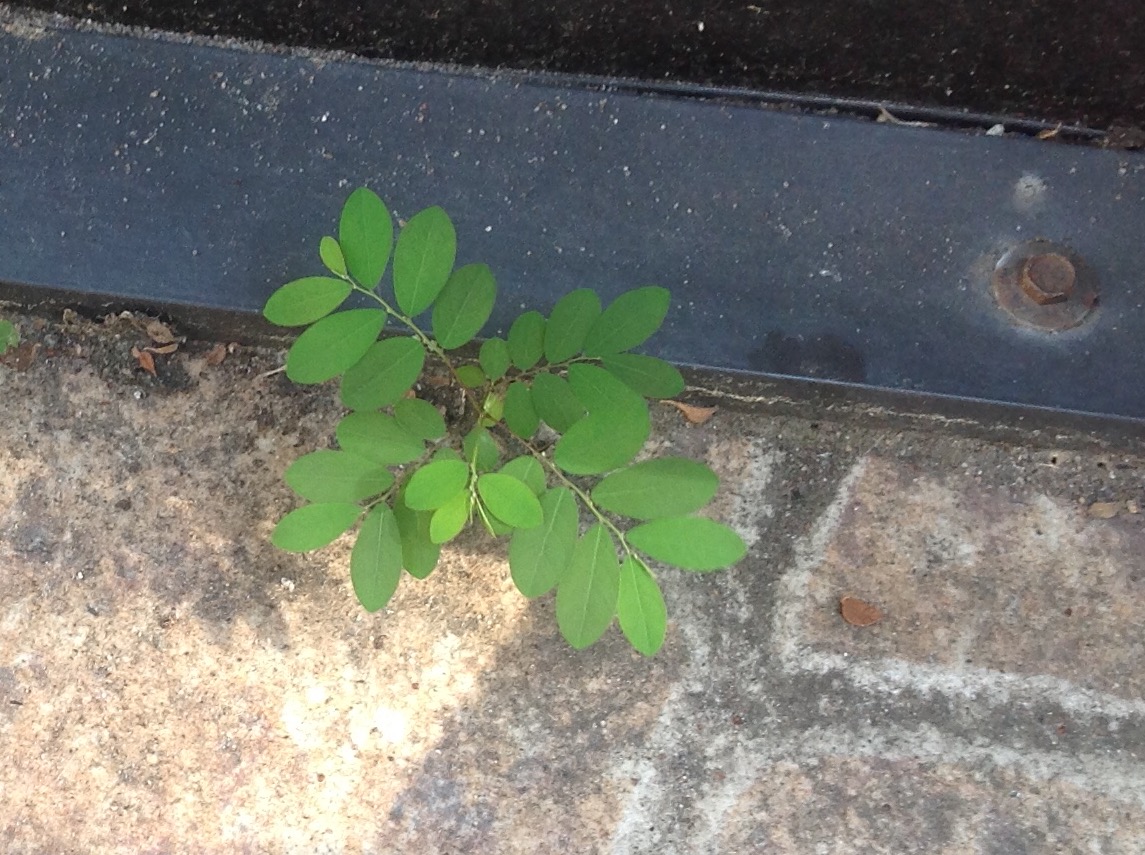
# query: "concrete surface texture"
169,682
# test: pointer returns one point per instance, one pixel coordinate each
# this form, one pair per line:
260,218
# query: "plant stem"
580,494
427,341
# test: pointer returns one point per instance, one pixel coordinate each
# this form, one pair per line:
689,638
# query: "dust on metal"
1045,285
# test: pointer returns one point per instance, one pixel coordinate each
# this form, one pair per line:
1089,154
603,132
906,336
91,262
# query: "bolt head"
1047,278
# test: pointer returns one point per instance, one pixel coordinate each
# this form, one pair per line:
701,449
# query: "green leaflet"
419,553
419,418
651,377
510,500
9,336
314,526
555,402
471,376
492,409
665,487
494,358
376,560
335,476
386,372
366,235
378,438
569,323
448,520
331,254
628,321
305,301
481,450
435,484
588,590
613,432
519,414
333,344
538,556
527,340
526,468
464,305
640,607
693,543
423,259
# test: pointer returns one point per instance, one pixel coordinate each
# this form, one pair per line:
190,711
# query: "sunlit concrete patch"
984,591
280,745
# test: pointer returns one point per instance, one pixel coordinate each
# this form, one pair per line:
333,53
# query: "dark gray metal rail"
198,177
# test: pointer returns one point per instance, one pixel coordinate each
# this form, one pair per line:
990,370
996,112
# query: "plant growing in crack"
540,428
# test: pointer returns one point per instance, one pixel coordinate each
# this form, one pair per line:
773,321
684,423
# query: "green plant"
558,400
9,336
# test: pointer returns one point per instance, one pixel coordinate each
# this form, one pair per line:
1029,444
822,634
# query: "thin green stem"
426,340
580,494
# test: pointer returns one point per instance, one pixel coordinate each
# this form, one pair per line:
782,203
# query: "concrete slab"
169,682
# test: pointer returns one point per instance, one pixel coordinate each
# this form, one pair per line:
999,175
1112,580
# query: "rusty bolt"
1045,285
1047,278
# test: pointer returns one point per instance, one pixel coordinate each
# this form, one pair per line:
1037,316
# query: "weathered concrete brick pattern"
171,683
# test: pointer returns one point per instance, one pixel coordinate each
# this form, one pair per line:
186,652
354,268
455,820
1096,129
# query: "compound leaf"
510,500
305,301
314,526
538,556
665,487
333,344
436,484
613,432
693,543
366,234
386,372
419,418
336,476
640,607
494,358
376,560
419,553
423,259
331,254
481,449
555,402
628,321
519,414
651,377
448,520
378,438
464,305
526,468
569,323
588,590
527,340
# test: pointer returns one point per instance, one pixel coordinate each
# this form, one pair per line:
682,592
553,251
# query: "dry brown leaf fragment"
693,414
164,349
159,332
146,360
1104,510
1049,133
216,354
886,117
858,612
